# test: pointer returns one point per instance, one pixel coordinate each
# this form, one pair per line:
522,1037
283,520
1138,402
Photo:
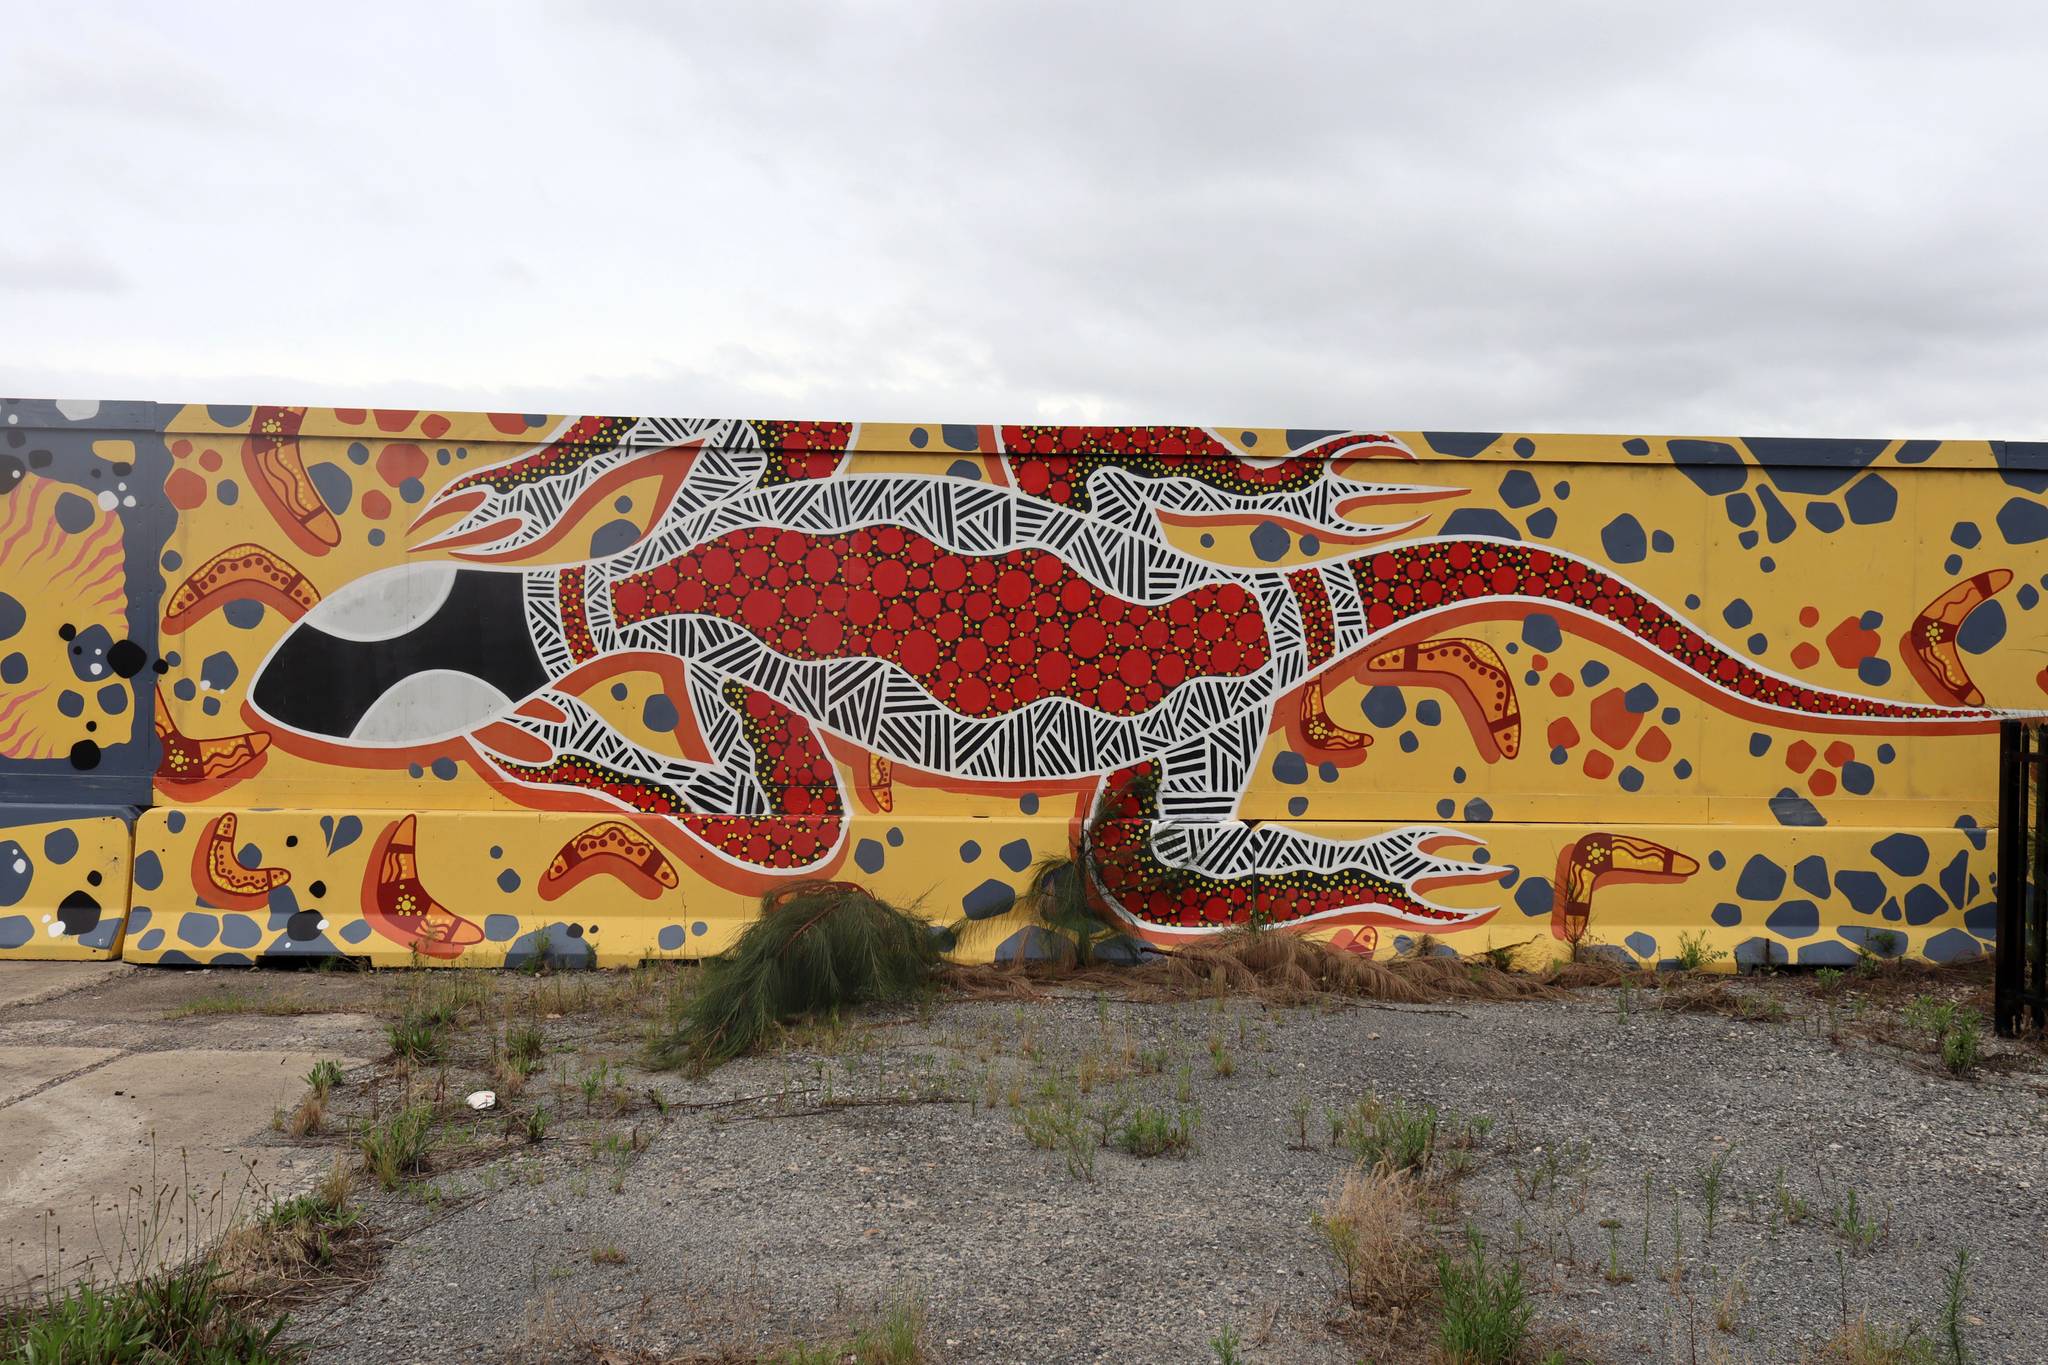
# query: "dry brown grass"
299,1246
309,1117
1286,969
1277,968
1724,1000
1376,1231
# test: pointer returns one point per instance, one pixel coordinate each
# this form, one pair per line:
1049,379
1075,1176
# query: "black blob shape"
85,755
91,726
126,658
303,926
79,913
39,459
11,473
291,841
161,666
93,878
66,631
317,890
124,469
575,931
323,684
95,472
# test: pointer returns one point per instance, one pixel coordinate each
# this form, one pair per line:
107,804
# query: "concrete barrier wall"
456,688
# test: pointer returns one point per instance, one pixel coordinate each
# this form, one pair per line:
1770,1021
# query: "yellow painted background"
1711,794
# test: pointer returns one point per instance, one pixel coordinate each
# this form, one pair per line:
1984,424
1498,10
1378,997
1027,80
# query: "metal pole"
2035,933
2012,889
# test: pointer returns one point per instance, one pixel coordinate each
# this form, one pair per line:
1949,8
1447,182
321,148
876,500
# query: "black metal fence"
2022,874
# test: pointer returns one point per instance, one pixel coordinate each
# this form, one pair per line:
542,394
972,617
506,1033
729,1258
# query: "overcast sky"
1726,218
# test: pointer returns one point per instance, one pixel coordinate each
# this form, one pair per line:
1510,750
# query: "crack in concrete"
55,1081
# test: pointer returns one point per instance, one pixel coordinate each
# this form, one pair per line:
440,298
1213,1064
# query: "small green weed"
325,1075
1713,1186
892,1336
1693,952
525,1043
1374,1131
1150,1131
416,1038
396,1148
1956,1031
1221,1061
1789,1206
1862,1231
1486,1310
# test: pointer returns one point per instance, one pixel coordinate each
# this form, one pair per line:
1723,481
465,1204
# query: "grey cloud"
1596,216
60,271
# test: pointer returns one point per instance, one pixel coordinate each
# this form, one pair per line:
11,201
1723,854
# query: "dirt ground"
645,1216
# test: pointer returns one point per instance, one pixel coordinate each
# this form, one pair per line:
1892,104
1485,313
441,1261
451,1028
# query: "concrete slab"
26,1069
140,1157
30,983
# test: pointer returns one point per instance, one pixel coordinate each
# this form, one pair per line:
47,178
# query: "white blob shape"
437,704
98,669
21,865
76,409
107,500
383,604
128,501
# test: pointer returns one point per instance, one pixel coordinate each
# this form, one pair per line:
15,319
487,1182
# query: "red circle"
919,652
761,608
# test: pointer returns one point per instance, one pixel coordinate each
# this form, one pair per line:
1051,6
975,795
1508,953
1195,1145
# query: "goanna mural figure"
1042,629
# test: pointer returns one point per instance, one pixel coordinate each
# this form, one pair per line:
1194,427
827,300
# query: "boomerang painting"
464,689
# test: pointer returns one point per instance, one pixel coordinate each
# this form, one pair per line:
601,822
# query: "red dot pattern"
586,438
792,768
1399,583
569,598
1055,463
802,450
984,634
1318,624
581,773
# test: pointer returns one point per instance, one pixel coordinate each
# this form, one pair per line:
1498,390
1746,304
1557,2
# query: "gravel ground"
777,1218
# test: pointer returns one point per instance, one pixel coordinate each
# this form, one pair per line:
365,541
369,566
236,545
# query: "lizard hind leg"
768,801
1171,881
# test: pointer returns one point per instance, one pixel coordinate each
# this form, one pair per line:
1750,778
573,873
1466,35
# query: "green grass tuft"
817,948
396,1148
178,1317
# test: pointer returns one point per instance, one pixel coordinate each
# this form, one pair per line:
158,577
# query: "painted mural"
464,689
